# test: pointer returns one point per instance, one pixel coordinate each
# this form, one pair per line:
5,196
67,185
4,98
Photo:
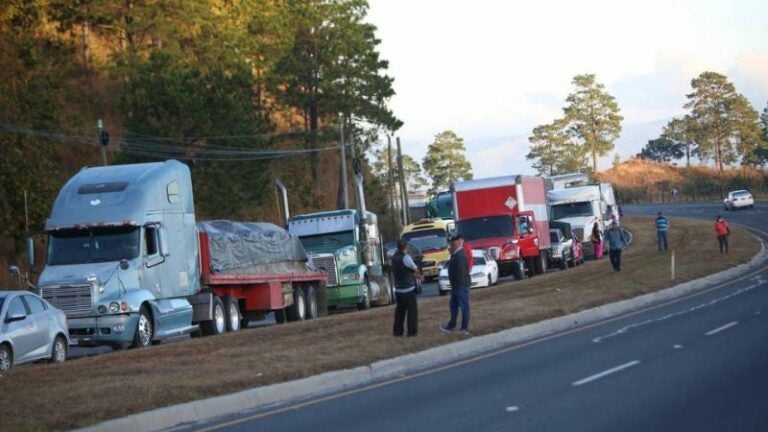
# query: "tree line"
232,87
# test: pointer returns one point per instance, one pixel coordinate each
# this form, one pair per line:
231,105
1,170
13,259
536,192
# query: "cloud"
750,76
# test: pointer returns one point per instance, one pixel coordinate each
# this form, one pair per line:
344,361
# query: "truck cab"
582,207
123,253
430,238
348,248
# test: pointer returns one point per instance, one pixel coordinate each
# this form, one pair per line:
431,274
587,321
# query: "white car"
485,272
30,329
738,199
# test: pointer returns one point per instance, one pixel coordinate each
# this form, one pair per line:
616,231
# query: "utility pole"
345,197
102,138
391,184
403,189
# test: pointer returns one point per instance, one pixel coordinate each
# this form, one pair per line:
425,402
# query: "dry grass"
90,390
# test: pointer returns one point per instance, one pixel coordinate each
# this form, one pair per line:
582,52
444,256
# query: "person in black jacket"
405,272
458,275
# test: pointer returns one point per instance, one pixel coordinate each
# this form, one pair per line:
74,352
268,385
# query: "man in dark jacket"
616,240
458,275
405,272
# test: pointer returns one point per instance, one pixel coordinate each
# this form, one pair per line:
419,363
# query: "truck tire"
145,329
530,267
311,296
517,270
233,318
366,302
217,325
298,310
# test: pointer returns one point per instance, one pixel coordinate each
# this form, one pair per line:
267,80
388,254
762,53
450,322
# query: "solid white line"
721,328
605,373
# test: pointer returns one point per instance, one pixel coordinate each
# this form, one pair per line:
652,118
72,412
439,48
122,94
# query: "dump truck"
507,216
129,264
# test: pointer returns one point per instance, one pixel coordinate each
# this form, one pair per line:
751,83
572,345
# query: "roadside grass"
90,390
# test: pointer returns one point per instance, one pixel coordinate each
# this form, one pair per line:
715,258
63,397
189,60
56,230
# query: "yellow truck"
430,237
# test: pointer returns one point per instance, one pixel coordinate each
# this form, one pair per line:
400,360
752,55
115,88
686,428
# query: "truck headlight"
350,277
114,307
510,254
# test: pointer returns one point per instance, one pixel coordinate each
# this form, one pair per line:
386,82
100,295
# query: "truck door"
152,270
527,234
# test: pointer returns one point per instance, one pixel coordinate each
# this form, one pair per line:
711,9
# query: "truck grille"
579,234
328,264
74,300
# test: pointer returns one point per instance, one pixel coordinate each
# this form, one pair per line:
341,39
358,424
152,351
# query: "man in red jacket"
722,230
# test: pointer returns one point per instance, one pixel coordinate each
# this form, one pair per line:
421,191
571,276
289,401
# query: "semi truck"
508,217
128,263
346,244
441,206
582,207
430,237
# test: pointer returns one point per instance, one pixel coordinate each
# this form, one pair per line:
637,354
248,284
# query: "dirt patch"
91,390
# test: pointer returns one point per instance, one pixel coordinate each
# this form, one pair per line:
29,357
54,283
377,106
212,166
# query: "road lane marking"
677,346
512,408
721,328
759,281
605,373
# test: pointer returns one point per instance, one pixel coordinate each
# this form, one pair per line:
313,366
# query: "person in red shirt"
722,230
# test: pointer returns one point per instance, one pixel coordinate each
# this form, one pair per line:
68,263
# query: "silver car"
30,329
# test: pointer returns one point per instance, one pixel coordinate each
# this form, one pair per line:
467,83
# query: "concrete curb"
275,394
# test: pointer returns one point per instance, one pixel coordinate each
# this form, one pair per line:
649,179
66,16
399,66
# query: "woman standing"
722,230
597,241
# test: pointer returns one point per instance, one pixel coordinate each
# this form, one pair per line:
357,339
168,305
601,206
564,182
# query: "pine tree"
446,162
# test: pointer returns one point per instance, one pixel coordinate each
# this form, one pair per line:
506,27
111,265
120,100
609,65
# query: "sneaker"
446,329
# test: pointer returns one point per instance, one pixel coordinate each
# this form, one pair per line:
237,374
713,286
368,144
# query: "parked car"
485,272
738,199
30,329
565,250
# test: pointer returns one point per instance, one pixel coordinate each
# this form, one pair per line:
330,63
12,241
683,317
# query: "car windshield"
553,237
478,260
485,227
427,240
84,246
562,211
336,240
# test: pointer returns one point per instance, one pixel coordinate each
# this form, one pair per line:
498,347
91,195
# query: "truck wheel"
366,302
311,296
517,270
145,331
298,310
59,350
6,358
217,325
233,314
540,264
530,267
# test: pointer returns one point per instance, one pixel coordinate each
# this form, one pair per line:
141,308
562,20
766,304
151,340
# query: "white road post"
673,264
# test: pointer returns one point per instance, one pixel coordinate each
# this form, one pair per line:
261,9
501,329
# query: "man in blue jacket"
459,277
616,241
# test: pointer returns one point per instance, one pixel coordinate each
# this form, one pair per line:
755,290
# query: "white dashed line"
677,346
605,373
512,408
721,328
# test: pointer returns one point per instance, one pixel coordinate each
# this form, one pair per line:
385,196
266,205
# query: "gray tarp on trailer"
252,247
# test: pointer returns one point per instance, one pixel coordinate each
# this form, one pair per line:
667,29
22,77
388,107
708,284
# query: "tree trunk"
594,162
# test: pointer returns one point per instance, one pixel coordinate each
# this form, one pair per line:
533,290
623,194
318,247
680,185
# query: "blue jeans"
459,299
662,239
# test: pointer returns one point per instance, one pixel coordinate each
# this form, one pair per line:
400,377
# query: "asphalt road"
699,363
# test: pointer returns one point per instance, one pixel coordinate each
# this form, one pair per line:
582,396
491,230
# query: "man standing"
615,239
661,232
405,272
722,230
458,275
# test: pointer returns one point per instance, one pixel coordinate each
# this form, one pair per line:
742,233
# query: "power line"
150,147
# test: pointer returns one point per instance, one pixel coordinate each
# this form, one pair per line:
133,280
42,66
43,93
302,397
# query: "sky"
492,70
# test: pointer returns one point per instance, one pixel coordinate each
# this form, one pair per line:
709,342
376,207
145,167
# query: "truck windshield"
83,246
427,239
562,211
485,227
330,241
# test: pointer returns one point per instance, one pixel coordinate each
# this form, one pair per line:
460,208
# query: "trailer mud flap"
202,306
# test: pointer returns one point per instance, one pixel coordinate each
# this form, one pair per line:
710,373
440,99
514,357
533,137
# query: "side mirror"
30,252
164,246
18,316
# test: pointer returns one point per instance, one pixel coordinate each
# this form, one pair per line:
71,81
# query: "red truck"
508,217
